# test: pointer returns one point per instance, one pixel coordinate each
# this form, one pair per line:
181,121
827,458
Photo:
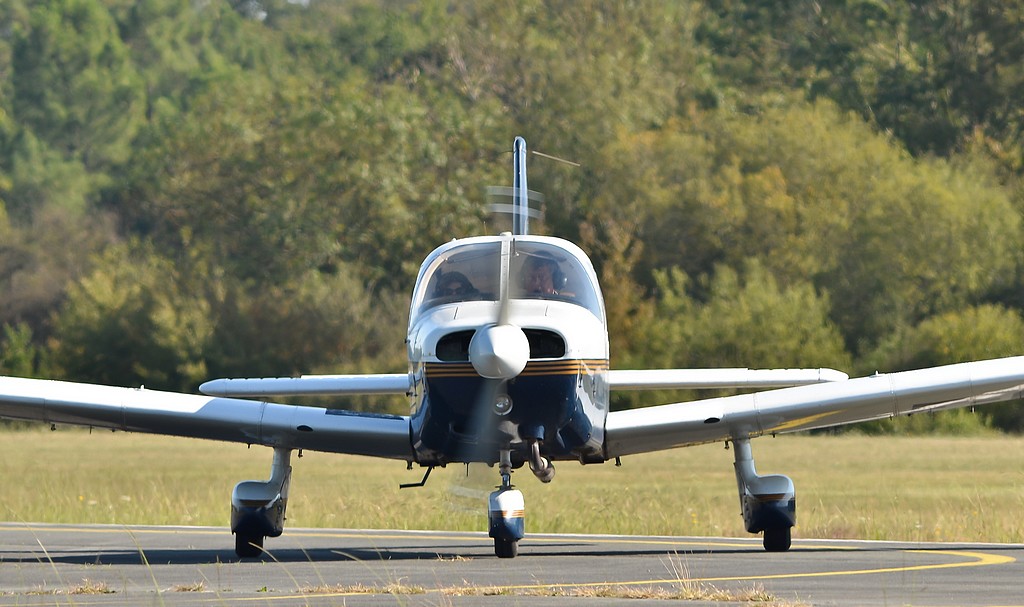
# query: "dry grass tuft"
458,591
86,587
394,588
683,591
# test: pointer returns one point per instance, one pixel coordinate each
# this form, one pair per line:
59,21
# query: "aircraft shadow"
321,554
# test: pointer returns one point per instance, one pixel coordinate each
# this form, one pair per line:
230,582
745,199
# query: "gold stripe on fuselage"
565,367
435,370
533,368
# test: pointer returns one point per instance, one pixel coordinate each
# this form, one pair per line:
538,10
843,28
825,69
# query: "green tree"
748,320
974,333
933,240
181,49
751,320
814,194
42,178
74,85
346,174
133,321
40,260
394,45
936,75
18,355
319,321
14,17
572,77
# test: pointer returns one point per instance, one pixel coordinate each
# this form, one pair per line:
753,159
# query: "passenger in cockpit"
541,276
454,285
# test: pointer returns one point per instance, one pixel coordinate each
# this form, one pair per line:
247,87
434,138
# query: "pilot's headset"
558,277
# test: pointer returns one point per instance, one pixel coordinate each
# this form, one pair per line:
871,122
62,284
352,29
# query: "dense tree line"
193,189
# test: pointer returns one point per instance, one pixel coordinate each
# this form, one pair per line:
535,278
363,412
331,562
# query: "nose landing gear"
506,512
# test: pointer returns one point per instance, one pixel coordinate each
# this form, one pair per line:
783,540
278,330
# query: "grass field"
919,488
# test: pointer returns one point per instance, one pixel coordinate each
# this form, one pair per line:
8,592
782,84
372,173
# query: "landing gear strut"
768,503
258,507
506,512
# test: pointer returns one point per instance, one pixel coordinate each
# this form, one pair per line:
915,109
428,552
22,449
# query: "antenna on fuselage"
520,192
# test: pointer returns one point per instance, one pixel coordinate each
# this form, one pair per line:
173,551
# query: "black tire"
248,546
506,549
778,539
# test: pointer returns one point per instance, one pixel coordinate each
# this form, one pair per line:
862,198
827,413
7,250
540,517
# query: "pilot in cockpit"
454,285
542,276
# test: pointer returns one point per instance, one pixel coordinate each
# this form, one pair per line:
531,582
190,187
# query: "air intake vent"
545,344
454,347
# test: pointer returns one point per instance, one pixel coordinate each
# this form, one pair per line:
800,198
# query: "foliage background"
212,188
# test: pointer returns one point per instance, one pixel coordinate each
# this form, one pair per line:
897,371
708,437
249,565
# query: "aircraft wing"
813,406
225,419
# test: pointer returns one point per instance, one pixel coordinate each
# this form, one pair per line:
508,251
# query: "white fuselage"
559,396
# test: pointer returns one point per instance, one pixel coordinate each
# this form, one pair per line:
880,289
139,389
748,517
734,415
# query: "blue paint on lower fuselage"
455,420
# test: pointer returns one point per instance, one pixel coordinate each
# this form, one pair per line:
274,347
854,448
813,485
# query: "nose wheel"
506,549
506,512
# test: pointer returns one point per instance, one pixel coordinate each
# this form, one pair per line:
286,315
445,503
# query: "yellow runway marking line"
981,559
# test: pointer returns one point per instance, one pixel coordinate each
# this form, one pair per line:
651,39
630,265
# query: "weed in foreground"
86,587
687,592
199,586
398,589
681,588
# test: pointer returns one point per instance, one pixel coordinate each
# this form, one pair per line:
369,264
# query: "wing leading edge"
813,406
225,419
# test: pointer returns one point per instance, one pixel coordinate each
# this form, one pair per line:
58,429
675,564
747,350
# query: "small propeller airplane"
508,365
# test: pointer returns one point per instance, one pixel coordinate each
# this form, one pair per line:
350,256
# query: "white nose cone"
499,351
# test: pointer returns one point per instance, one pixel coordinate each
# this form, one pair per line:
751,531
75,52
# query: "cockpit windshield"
537,270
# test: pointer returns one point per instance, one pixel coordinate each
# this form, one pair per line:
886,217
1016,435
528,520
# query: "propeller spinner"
499,351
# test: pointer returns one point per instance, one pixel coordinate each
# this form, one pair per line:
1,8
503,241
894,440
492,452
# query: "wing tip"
830,375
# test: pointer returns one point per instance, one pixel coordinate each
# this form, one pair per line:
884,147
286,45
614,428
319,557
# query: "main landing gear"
258,507
768,503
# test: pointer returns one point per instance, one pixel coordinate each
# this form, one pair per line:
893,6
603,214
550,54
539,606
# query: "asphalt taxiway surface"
175,566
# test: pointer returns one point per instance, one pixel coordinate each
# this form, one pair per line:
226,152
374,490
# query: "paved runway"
176,566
